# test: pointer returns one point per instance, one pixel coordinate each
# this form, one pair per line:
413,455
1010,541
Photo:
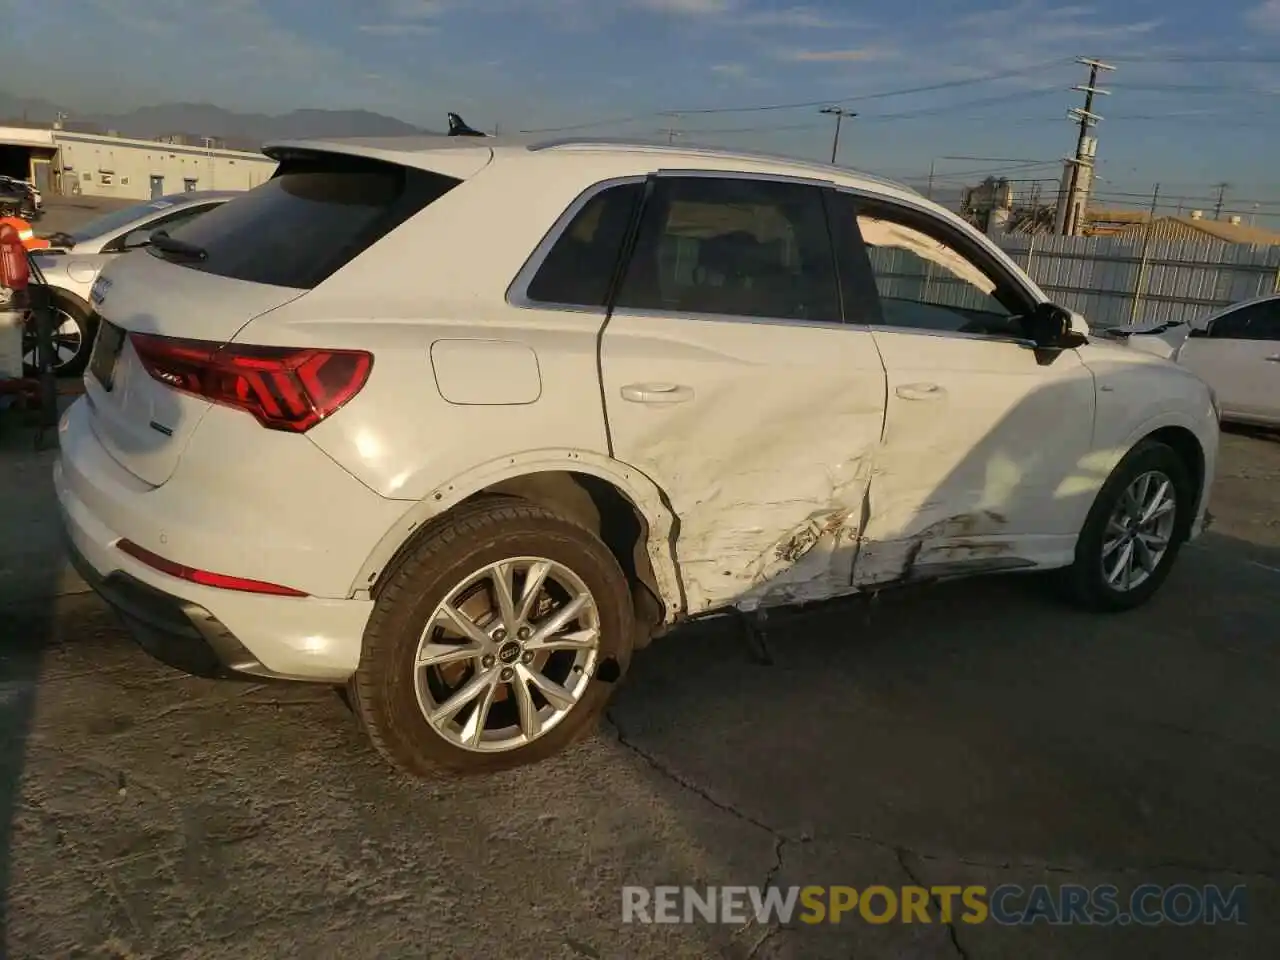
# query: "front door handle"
920,391
1275,359
657,393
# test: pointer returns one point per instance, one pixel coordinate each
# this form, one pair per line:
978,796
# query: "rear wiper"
161,240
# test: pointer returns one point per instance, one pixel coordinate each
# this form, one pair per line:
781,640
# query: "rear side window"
579,267
312,217
741,247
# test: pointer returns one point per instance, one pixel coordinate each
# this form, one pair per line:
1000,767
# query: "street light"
839,113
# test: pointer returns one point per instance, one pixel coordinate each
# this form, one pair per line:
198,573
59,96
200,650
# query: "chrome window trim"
635,313
518,290
703,173
951,335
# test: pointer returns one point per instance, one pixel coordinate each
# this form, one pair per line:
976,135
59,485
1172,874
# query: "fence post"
1142,264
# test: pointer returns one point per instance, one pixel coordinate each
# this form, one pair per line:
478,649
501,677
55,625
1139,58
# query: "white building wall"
102,166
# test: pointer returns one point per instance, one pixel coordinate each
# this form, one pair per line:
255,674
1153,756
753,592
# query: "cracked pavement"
967,733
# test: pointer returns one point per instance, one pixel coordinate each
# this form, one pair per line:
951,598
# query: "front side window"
925,282
584,258
1258,321
749,248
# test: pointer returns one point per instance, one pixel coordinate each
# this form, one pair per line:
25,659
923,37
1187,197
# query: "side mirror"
136,239
1198,332
1050,327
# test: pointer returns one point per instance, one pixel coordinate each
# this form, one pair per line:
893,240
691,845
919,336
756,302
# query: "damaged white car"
461,423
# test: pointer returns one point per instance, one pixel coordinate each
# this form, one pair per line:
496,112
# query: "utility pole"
839,113
1078,188
672,131
929,192
208,145
1222,196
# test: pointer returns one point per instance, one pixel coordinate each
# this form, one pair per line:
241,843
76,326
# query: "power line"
805,105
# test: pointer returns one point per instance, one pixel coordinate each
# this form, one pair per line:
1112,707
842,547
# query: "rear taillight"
286,388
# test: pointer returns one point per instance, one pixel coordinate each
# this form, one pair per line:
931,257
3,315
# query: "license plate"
106,351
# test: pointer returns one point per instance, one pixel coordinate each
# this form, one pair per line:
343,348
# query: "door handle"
1275,359
920,391
657,393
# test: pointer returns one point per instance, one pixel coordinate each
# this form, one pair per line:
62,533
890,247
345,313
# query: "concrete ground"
975,733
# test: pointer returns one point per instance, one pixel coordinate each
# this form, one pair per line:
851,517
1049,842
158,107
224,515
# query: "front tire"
1134,531
494,643
73,331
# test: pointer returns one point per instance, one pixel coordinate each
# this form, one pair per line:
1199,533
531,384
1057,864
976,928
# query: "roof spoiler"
459,128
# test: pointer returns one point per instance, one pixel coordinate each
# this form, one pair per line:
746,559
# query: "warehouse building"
100,165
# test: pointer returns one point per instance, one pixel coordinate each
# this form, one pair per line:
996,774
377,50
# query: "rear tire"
405,707
1151,479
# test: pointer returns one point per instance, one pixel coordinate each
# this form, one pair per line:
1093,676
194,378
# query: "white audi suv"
462,423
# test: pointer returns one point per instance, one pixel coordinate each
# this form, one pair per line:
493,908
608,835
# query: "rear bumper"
205,631
178,633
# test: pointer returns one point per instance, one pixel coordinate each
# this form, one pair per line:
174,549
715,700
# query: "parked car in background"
461,423
1235,351
75,258
20,198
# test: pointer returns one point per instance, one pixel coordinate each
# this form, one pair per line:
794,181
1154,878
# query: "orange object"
25,233
15,270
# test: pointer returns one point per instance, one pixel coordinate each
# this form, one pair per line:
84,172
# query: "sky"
1195,96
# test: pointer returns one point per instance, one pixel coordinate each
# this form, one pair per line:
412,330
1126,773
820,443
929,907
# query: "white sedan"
1235,351
463,422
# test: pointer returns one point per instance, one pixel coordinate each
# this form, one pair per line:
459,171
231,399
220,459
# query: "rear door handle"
920,391
1275,359
657,393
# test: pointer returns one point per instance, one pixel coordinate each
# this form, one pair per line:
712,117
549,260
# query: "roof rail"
706,151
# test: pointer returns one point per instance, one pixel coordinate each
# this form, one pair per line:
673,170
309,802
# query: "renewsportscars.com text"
1006,905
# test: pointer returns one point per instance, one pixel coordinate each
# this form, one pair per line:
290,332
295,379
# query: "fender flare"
645,495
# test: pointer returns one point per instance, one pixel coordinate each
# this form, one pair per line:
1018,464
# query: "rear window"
312,217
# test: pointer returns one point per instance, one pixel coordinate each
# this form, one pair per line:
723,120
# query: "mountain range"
195,120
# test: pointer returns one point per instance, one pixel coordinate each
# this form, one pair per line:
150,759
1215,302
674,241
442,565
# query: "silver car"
72,263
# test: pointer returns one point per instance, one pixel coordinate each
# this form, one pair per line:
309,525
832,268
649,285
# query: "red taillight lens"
286,388
204,577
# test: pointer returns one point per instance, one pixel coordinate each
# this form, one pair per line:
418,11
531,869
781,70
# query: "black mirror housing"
1049,327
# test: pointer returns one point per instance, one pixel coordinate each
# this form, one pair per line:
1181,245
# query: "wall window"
925,283
106,179
741,247
579,267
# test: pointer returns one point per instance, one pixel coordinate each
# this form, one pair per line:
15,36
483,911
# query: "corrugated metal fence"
1126,281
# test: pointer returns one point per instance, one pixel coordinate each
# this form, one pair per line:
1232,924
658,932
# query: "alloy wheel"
508,653
68,340
1140,531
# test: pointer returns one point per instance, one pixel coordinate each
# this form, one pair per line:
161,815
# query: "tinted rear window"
312,217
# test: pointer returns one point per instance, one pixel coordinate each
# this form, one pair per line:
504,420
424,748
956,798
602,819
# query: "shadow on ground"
967,733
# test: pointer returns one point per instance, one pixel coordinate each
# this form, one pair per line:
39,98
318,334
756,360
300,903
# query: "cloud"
397,29
1265,17
734,71
798,18
854,55
690,8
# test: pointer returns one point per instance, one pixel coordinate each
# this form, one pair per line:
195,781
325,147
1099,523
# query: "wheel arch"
1190,451
620,505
